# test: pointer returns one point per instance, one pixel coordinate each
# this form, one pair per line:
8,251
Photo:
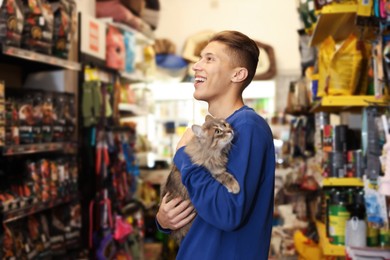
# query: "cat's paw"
234,188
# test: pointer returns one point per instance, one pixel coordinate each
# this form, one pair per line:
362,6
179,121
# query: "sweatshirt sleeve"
247,161
161,229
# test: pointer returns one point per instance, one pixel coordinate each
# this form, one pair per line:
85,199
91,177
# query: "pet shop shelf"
35,57
328,249
64,147
22,211
336,20
135,76
331,182
339,8
140,38
132,109
368,252
337,103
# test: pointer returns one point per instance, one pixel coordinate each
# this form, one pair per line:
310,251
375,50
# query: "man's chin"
199,97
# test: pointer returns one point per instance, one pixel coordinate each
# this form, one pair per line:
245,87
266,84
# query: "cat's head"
215,133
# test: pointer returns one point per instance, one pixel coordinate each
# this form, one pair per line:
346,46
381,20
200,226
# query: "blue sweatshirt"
233,226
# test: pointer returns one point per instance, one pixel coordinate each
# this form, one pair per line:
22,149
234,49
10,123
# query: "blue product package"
130,51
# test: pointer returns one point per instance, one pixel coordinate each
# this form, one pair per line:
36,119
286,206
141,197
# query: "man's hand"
185,139
175,213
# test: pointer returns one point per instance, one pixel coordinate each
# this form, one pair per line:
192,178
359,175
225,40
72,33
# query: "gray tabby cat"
209,148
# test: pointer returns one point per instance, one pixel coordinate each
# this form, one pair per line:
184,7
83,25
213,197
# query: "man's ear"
240,74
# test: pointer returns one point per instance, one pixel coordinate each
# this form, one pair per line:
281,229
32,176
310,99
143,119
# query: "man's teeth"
200,79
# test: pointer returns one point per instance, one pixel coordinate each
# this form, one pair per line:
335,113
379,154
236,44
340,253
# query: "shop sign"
93,39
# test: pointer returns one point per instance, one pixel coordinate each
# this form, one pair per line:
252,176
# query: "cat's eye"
217,131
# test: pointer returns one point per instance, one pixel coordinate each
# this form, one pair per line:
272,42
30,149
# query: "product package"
37,113
57,232
70,116
47,118
2,113
130,46
342,67
37,29
11,22
64,12
115,49
26,119
59,123
11,122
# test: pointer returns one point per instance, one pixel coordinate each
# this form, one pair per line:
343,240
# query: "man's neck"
224,110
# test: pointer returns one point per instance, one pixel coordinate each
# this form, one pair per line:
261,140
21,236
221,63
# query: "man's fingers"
183,205
175,213
186,220
182,212
172,203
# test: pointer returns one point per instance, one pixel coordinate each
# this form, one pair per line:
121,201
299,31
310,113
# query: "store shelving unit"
22,208
342,182
16,214
337,20
65,147
340,103
50,62
132,109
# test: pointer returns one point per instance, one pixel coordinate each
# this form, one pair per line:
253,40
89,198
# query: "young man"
226,225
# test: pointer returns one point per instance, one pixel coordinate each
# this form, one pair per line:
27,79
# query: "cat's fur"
208,148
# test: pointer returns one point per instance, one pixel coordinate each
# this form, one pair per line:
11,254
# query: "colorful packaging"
34,235
54,180
115,49
36,30
44,172
59,123
130,46
11,22
12,122
26,119
47,118
34,180
37,111
2,113
340,66
64,12
70,116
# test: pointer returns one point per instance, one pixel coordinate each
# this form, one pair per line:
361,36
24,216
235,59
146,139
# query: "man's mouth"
199,80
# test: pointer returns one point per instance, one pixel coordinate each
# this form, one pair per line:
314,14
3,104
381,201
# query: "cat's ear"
208,118
197,129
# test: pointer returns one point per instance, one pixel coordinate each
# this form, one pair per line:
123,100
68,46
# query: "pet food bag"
339,66
11,22
64,12
37,29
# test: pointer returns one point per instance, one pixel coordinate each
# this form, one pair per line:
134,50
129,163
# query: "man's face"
213,72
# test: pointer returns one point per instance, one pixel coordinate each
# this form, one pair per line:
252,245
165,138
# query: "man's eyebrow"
207,54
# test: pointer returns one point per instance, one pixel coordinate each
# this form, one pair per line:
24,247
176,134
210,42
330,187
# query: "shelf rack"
66,147
40,58
332,182
15,214
132,109
337,20
334,103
